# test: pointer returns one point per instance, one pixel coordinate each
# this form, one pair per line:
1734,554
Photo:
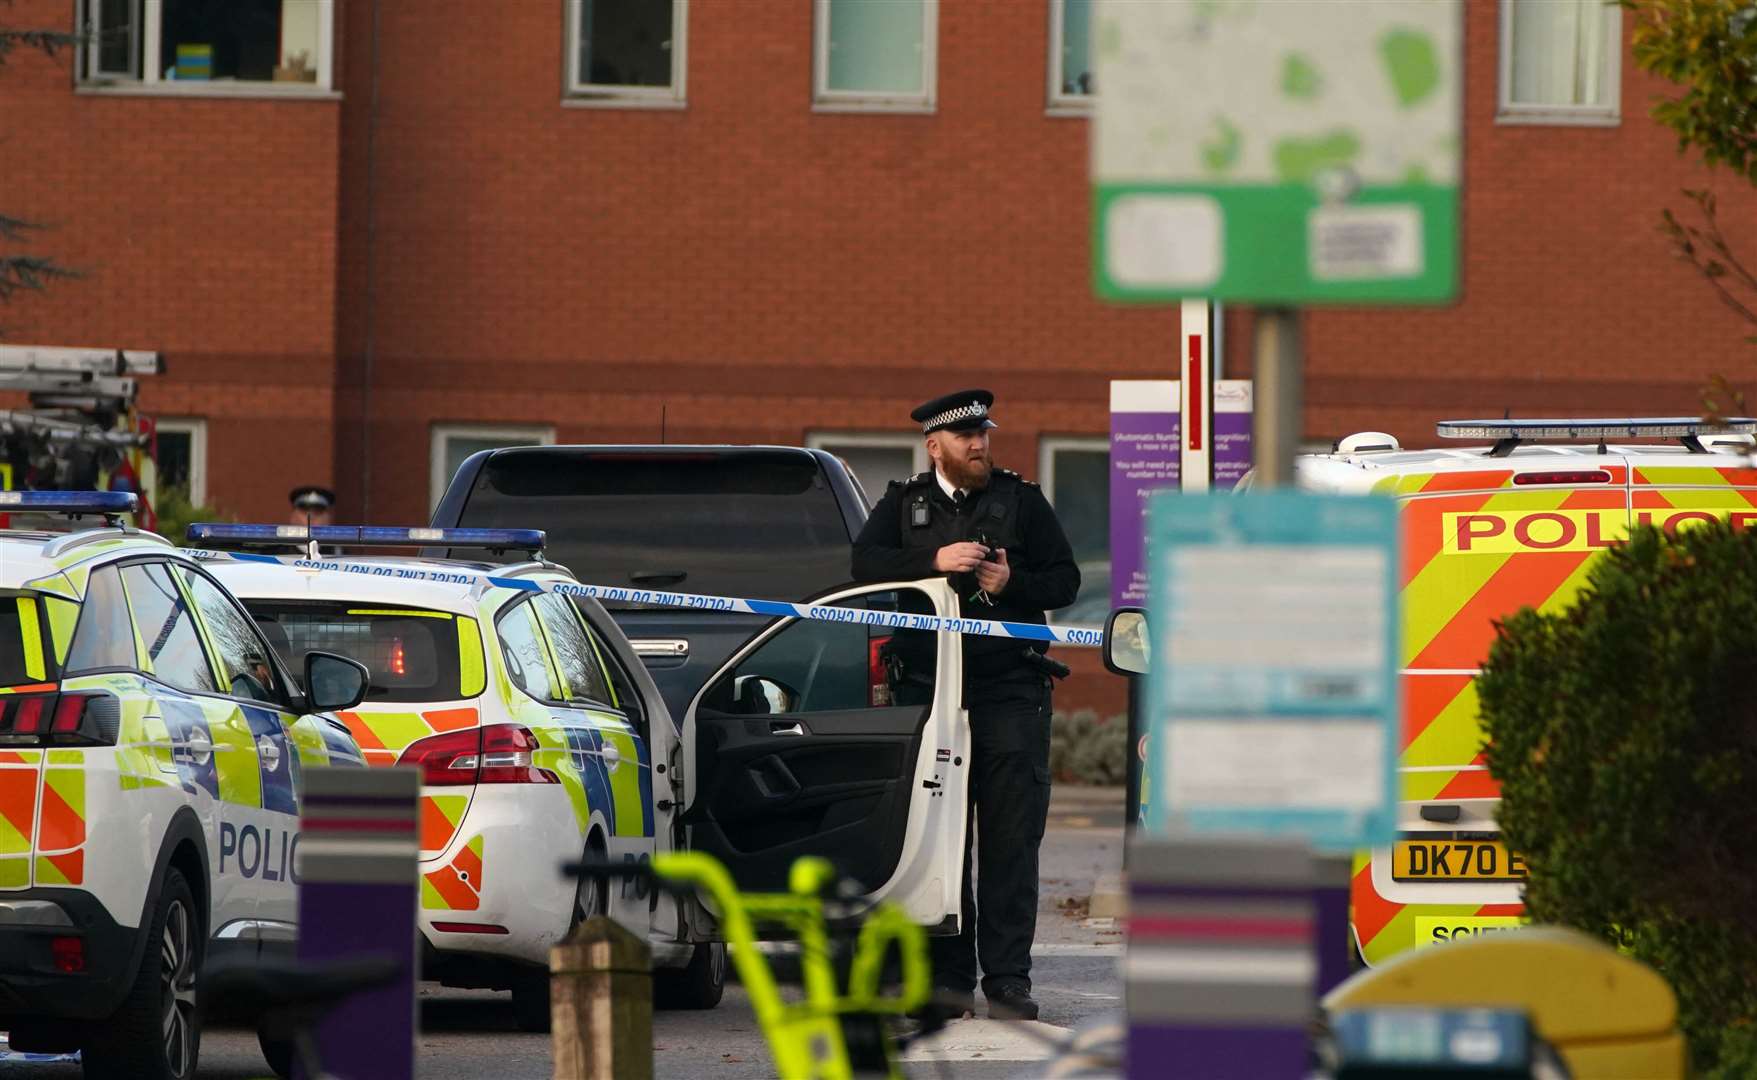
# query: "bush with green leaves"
176,513
1087,749
1623,732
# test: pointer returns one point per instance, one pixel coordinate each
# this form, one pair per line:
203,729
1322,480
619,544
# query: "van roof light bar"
1508,434
227,534
106,504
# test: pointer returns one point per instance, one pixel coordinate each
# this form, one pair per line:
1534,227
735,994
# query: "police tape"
1085,636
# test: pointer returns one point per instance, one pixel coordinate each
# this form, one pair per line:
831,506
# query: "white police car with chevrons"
541,739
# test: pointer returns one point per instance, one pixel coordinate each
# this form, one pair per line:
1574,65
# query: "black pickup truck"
764,522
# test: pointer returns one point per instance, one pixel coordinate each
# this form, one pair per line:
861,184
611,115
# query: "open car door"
801,744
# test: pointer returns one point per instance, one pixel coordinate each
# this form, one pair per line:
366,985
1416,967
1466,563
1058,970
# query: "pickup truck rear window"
747,524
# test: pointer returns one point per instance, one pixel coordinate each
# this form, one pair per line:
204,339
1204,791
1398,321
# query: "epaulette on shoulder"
1014,477
917,480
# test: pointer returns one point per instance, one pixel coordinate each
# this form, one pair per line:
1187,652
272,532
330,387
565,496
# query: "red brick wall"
206,229
753,268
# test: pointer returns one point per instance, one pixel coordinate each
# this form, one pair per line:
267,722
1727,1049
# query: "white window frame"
438,478
876,101
1060,103
1049,445
1508,111
916,444
150,80
578,94
196,428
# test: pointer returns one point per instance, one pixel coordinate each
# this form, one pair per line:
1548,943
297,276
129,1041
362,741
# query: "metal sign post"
1196,395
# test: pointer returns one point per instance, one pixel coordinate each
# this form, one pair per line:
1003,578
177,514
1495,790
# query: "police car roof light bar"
1509,434
108,504
367,536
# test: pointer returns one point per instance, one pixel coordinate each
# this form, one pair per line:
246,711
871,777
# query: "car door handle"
201,748
611,756
270,752
778,728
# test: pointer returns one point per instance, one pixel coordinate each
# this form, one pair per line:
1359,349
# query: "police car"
542,738
151,752
1516,521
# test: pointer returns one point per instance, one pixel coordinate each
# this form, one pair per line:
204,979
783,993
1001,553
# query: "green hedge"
1624,734
1085,748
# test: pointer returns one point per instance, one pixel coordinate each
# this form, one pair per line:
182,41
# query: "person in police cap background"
311,505
997,539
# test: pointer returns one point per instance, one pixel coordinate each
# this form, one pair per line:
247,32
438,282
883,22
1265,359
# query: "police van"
1516,521
151,757
542,738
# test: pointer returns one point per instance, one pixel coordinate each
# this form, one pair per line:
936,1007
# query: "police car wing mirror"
334,682
1126,650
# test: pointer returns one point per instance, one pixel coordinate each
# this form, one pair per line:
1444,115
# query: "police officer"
998,541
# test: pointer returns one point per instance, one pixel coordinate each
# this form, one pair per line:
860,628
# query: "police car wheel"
156,1034
700,985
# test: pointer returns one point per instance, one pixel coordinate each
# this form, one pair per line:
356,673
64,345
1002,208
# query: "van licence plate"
1445,859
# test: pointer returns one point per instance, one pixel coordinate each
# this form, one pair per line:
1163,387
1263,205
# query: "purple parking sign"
1145,427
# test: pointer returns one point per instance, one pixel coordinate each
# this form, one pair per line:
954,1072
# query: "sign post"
1196,382
1276,155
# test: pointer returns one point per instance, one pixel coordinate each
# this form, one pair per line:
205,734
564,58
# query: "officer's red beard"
969,471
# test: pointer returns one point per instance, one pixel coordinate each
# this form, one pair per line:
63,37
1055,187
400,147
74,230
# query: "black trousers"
1009,805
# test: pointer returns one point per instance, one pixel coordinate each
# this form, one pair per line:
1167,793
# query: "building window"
626,52
1070,56
876,55
181,460
875,459
1560,62
452,443
209,46
1075,474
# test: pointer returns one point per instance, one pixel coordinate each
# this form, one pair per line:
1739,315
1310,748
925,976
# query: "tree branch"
19,272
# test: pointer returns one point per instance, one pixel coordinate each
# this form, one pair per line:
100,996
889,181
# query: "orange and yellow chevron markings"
1385,928
440,817
457,886
383,734
18,813
61,824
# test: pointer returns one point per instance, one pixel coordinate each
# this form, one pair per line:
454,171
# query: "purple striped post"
1219,967
357,895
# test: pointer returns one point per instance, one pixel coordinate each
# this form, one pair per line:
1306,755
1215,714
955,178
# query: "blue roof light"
368,536
71,502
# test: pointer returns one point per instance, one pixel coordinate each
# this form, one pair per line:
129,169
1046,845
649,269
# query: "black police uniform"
1006,692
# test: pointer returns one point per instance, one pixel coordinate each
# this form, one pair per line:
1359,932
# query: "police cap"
966,410
311,497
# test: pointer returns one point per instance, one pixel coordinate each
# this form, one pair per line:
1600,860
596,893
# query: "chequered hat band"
976,410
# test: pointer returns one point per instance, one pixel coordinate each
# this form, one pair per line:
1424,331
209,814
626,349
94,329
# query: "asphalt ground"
467,1034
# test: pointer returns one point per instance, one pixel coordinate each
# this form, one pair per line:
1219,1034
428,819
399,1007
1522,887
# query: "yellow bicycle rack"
810,1039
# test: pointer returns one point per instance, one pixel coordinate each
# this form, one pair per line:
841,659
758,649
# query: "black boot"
1011,1003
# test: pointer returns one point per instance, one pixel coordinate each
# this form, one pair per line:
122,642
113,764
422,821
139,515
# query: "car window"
103,636
581,673
414,654
522,645
243,655
753,523
161,617
820,666
23,655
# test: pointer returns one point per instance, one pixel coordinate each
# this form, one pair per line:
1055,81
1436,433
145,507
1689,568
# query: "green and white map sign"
1277,151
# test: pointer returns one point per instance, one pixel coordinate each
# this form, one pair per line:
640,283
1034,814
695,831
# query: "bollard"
1219,968
601,1003
356,863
